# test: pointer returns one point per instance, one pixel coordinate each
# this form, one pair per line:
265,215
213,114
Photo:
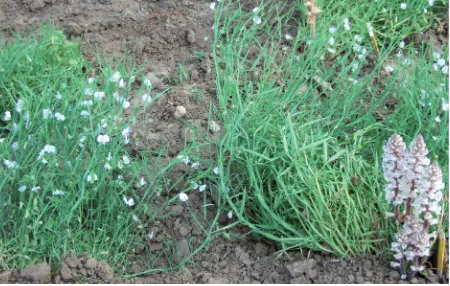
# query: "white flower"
126,132
147,82
87,103
19,105
437,119
257,20
122,83
146,98
88,91
332,29
212,5
91,178
256,9
59,116
103,139
445,104
194,186
202,188
444,70
129,202
440,62
58,193
431,2
389,69
142,182
402,44
331,41
195,165
11,164
35,189
6,116
115,77
126,104
358,38
49,149
183,197
85,113
107,166
58,95
230,215
403,6
395,264
356,47
355,66
109,158
126,160
346,24
185,159
331,51
91,80
22,188
216,170
47,114
15,145
361,57
288,37
98,95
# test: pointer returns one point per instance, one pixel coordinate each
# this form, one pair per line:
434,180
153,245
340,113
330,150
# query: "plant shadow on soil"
160,35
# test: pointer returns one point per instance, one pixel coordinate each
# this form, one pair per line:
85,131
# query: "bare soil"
160,35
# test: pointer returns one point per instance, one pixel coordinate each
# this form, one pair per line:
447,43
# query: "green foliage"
306,120
62,189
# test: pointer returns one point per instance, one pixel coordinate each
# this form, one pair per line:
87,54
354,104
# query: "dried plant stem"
313,19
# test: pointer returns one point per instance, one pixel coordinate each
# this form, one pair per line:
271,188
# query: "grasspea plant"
414,188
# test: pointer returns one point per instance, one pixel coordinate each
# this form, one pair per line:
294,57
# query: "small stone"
66,273
139,249
359,280
182,250
177,210
394,275
56,280
367,265
4,277
414,281
190,36
184,231
214,127
351,278
155,246
91,263
260,249
218,280
82,272
180,112
136,268
369,273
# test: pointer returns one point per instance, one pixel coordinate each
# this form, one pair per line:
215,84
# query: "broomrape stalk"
415,189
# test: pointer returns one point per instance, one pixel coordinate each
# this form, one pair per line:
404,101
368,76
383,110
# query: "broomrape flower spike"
415,189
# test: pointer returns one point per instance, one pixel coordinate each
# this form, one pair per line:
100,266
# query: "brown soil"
160,34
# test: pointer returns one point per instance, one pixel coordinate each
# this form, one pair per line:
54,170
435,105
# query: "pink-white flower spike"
394,152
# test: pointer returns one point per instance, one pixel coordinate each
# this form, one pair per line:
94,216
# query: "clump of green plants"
307,119
67,180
